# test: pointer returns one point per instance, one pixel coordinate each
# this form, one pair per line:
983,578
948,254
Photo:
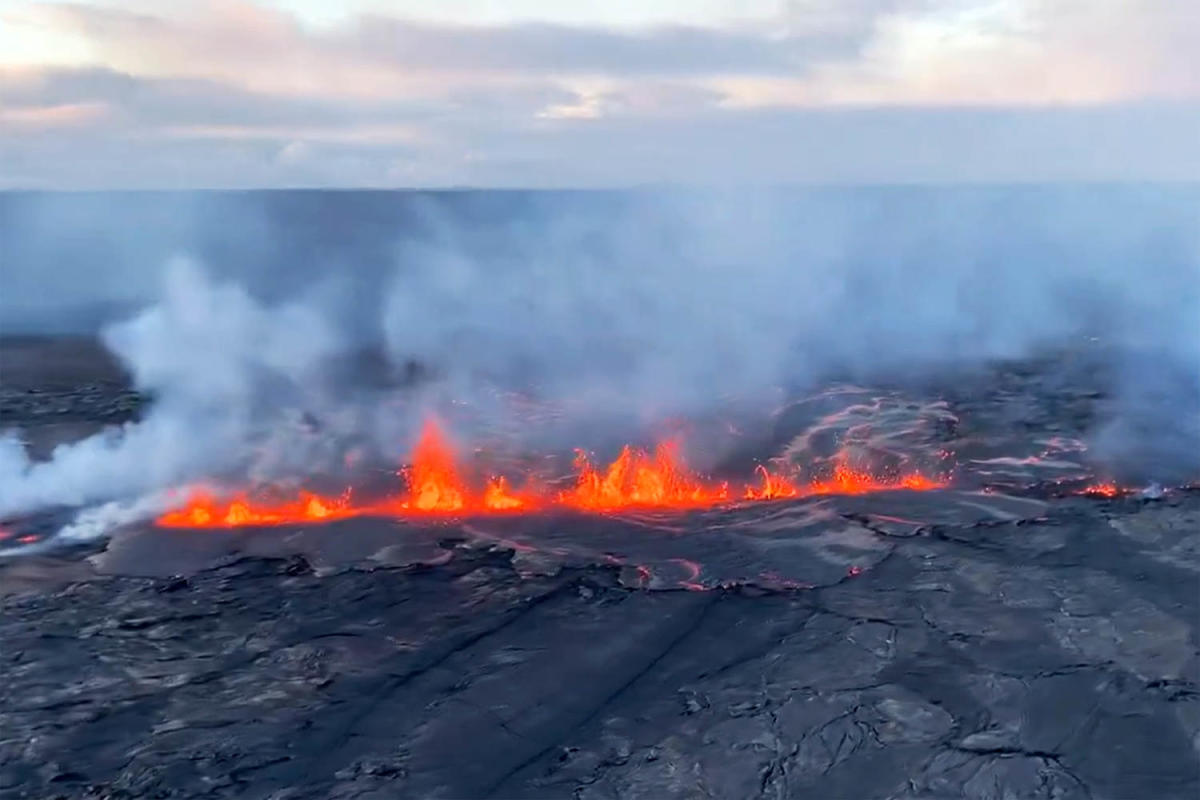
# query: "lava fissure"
436,487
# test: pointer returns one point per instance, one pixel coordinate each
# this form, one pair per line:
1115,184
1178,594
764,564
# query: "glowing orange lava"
433,480
637,478
774,487
205,511
497,497
846,480
436,486
1103,490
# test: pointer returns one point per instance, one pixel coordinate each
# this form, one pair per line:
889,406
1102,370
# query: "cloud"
185,101
41,117
377,56
1126,143
664,50
875,51
878,145
1029,52
230,93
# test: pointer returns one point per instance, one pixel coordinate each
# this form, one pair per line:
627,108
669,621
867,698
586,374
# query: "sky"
537,93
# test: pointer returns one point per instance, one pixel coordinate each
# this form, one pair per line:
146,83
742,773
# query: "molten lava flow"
436,487
498,497
916,482
433,481
847,480
205,511
637,478
1108,490
774,487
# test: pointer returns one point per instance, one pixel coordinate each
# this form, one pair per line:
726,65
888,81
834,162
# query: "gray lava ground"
1013,643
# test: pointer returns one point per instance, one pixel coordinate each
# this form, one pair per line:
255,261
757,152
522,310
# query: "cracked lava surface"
1024,641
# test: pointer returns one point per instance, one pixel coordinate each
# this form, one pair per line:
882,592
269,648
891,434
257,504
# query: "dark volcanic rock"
1054,659
948,644
57,390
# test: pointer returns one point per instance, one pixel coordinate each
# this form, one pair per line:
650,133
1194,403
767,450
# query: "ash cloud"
621,309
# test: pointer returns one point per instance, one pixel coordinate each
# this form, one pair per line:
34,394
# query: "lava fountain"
435,486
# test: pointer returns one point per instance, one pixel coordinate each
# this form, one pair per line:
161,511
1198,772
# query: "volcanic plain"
1027,631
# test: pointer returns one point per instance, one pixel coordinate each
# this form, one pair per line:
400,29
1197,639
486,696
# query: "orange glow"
847,480
436,486
433,481
498,497
774,487
205,511
1103,490
637,478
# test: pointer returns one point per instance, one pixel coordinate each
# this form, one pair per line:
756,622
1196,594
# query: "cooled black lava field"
1007,637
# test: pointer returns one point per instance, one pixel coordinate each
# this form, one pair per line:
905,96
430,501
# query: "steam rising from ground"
622,311
217,363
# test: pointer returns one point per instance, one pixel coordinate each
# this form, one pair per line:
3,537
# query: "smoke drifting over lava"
547,322
218,365
436,486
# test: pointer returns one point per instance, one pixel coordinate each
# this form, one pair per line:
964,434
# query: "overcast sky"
242,93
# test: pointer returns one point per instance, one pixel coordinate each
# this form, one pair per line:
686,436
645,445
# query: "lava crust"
1004,637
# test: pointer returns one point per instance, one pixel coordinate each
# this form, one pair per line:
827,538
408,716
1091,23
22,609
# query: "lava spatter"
640,479
203,510
435,485
1107,490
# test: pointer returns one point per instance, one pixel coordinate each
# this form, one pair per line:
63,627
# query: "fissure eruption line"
435,486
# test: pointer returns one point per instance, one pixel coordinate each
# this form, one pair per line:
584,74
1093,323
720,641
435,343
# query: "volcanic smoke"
435,486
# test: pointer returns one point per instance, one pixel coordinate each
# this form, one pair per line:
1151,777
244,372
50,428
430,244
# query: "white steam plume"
626,309
218,364
671,302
